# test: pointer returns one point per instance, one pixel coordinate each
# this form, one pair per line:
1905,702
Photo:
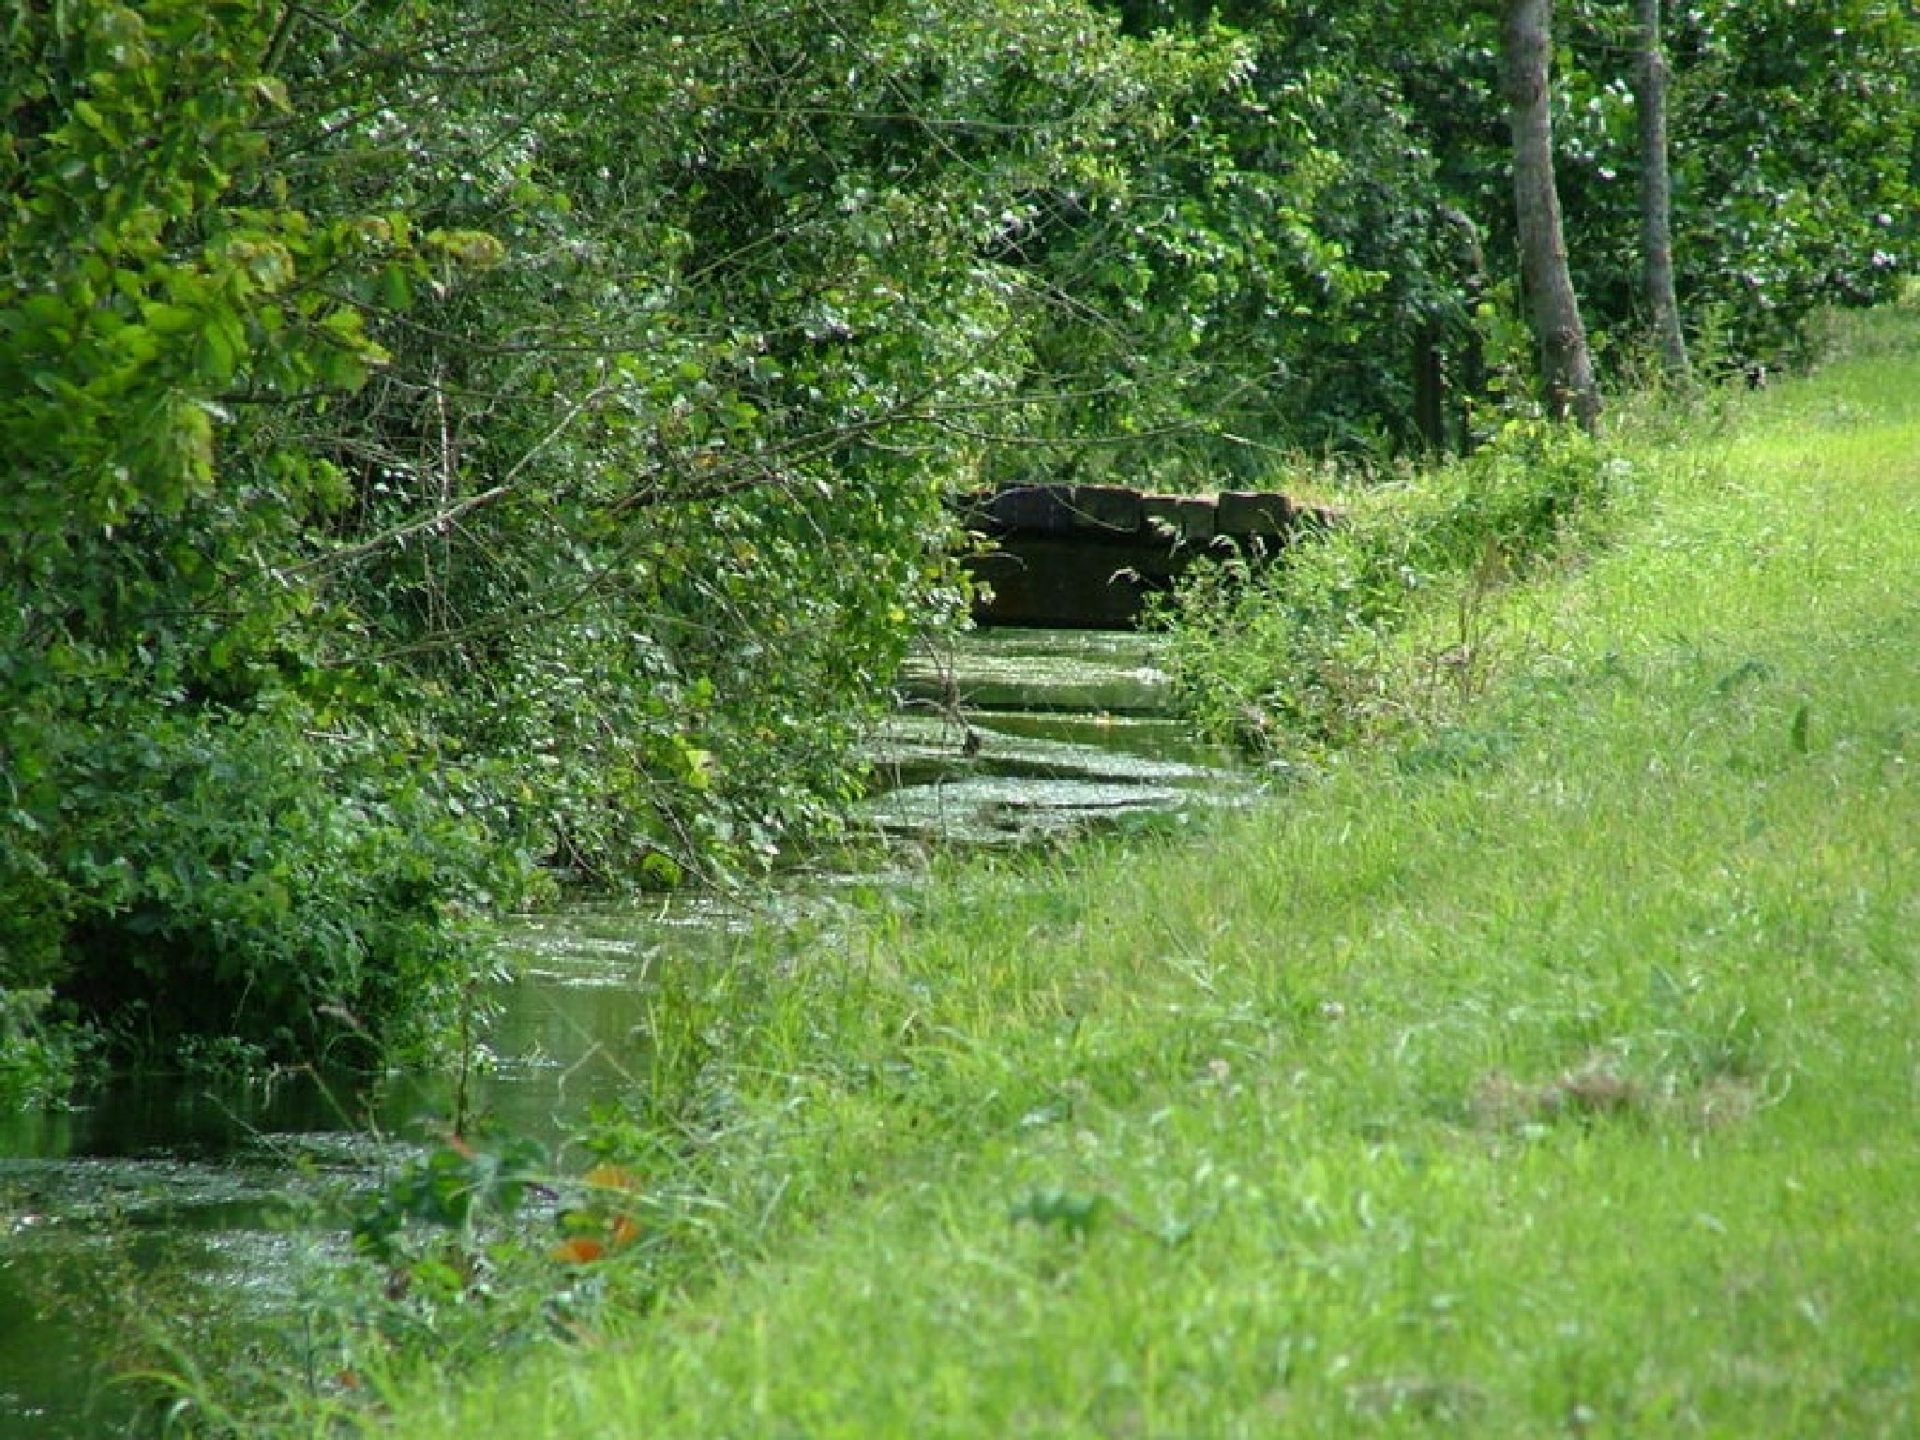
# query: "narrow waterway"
1008,737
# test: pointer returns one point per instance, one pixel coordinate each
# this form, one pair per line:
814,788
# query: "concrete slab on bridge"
1089,556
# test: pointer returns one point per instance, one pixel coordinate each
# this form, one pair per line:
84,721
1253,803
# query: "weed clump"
1305,655
1599,1089
1594,1089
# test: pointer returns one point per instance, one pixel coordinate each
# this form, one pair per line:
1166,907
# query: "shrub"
234,875
1295,655
38,1059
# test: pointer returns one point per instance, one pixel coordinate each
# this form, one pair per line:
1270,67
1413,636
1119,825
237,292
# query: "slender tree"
1656,190
1553,308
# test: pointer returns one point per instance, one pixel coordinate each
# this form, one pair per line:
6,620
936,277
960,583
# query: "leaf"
1066,1210
469,247
661,870
272,91
396,291
580,1250
608,1176
214,357
164,319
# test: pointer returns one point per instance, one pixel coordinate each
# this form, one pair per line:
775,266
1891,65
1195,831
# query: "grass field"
1556,1074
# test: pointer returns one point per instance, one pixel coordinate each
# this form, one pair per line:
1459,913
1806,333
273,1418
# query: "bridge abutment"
1089,556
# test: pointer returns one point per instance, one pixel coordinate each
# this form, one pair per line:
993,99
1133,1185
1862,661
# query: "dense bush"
182,847
229,876
428,456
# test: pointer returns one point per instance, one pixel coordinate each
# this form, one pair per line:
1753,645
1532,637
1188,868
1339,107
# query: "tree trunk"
1656,190
1430,385
1566,363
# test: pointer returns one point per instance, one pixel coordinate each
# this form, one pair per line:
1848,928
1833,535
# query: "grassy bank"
1556,1074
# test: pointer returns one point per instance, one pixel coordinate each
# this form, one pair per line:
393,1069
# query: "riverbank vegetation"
1532,1066
1305,655
448,456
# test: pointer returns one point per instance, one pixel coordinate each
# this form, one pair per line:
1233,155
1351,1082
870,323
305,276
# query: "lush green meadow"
1555,1072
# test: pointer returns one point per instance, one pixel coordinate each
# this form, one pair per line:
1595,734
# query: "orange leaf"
611,1177
580,1250
626,1230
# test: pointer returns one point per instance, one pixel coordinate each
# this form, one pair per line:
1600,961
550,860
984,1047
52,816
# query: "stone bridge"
1087,556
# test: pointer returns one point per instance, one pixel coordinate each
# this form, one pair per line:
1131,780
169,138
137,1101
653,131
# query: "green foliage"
699,495
228,877
139,293
454,1187
416,438
1463,1085
1793,153
1792,148
1304,651
464,1252
39,1058
187,846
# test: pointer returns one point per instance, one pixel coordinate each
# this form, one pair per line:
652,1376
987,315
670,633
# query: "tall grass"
1556,1072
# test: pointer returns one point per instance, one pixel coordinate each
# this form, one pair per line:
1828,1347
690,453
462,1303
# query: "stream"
1008,737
